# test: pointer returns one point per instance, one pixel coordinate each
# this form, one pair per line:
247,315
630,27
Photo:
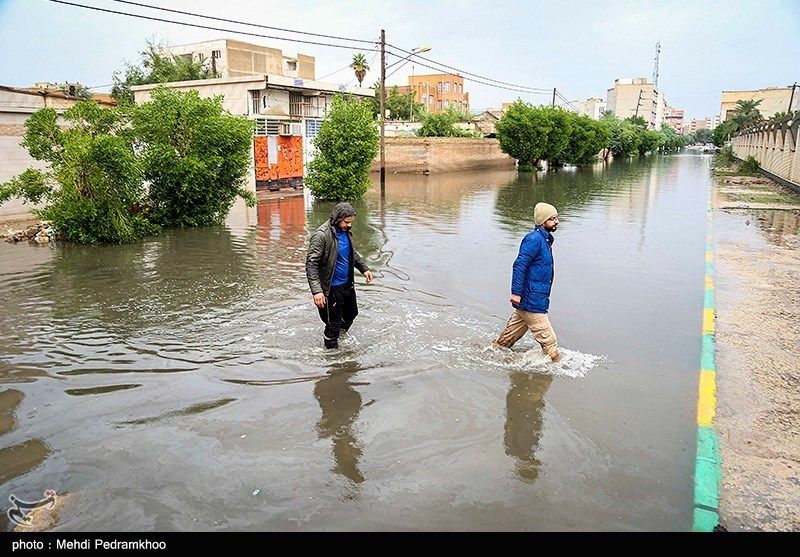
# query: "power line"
187,24
516,89
460,71
243,22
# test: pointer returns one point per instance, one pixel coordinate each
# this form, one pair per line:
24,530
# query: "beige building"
673,117
637,97
16,105
773,99
593,108
708,123
438,91
231,58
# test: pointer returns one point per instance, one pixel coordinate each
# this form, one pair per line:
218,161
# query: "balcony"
305,110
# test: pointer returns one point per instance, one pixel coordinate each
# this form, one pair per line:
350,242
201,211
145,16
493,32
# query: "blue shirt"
341,275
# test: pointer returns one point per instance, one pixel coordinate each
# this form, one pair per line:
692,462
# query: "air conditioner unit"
291,128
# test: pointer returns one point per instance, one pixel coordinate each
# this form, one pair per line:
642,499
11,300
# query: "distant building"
593,108
673,117
773,99
637,97
708,123
231,58
485,121
438,92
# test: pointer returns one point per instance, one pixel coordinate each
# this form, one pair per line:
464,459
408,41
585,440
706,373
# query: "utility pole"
791,98
383,113
554,96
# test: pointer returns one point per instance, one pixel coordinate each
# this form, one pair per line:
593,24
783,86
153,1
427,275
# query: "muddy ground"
757,257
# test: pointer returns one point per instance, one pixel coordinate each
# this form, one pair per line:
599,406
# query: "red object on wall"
287,171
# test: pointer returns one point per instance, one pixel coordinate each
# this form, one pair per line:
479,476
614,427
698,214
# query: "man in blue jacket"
531,283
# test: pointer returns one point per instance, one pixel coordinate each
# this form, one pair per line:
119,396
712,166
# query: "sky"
577,46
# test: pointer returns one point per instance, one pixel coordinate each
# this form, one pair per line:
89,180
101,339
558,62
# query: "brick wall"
442,154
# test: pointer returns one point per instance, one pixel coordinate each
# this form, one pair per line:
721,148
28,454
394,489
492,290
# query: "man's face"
551,224
346,223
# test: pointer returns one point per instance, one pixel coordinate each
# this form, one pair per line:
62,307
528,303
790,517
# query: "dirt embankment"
757,256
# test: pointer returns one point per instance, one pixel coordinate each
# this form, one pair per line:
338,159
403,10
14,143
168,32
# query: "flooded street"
182,384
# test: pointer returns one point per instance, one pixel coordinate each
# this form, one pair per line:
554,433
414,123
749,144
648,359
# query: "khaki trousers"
536,323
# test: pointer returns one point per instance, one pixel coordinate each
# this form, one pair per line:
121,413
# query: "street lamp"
384,67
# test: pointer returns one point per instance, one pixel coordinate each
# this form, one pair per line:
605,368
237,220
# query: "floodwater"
182,383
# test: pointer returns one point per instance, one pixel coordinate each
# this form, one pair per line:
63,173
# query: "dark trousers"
339,312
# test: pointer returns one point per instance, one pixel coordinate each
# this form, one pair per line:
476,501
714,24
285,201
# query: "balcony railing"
305,110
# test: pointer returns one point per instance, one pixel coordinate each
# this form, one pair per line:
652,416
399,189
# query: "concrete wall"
773,99
774,146
442,154
14,159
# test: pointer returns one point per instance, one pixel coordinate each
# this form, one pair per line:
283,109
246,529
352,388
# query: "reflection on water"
164,379
524,409
340,404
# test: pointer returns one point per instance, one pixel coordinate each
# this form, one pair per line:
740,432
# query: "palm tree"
746,114
360,66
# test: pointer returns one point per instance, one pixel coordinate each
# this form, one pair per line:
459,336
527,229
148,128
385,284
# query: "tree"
347,144
625,136
93,189
746,114
650,141
532,134
195,156
587,139
722,133
637,121
360,66
156,67
441,124
703,135
672,141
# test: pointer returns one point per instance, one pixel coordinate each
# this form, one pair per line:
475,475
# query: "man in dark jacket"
329,268
531,283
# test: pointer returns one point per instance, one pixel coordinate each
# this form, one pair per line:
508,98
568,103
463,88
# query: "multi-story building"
593,107
637,97
231,58
773,99
287,112
437,92
673,117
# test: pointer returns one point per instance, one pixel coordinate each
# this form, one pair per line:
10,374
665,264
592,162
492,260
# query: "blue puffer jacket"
533,271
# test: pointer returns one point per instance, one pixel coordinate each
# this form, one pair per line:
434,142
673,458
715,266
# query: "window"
439,86
254,95
291,65
447,87
264,101
261,127
216,54
430,100
439,105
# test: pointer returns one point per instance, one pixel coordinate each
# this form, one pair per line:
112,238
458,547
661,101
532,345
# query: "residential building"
773,99
637,97
593,107
438,92
232,58
287,112
673,117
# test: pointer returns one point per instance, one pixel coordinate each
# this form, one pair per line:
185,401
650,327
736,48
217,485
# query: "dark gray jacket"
323,249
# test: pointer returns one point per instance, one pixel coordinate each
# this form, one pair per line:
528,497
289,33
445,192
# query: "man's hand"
515,300
369,277
319,300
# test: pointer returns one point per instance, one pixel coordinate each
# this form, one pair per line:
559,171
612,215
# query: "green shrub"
195,156
749,166
347,144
